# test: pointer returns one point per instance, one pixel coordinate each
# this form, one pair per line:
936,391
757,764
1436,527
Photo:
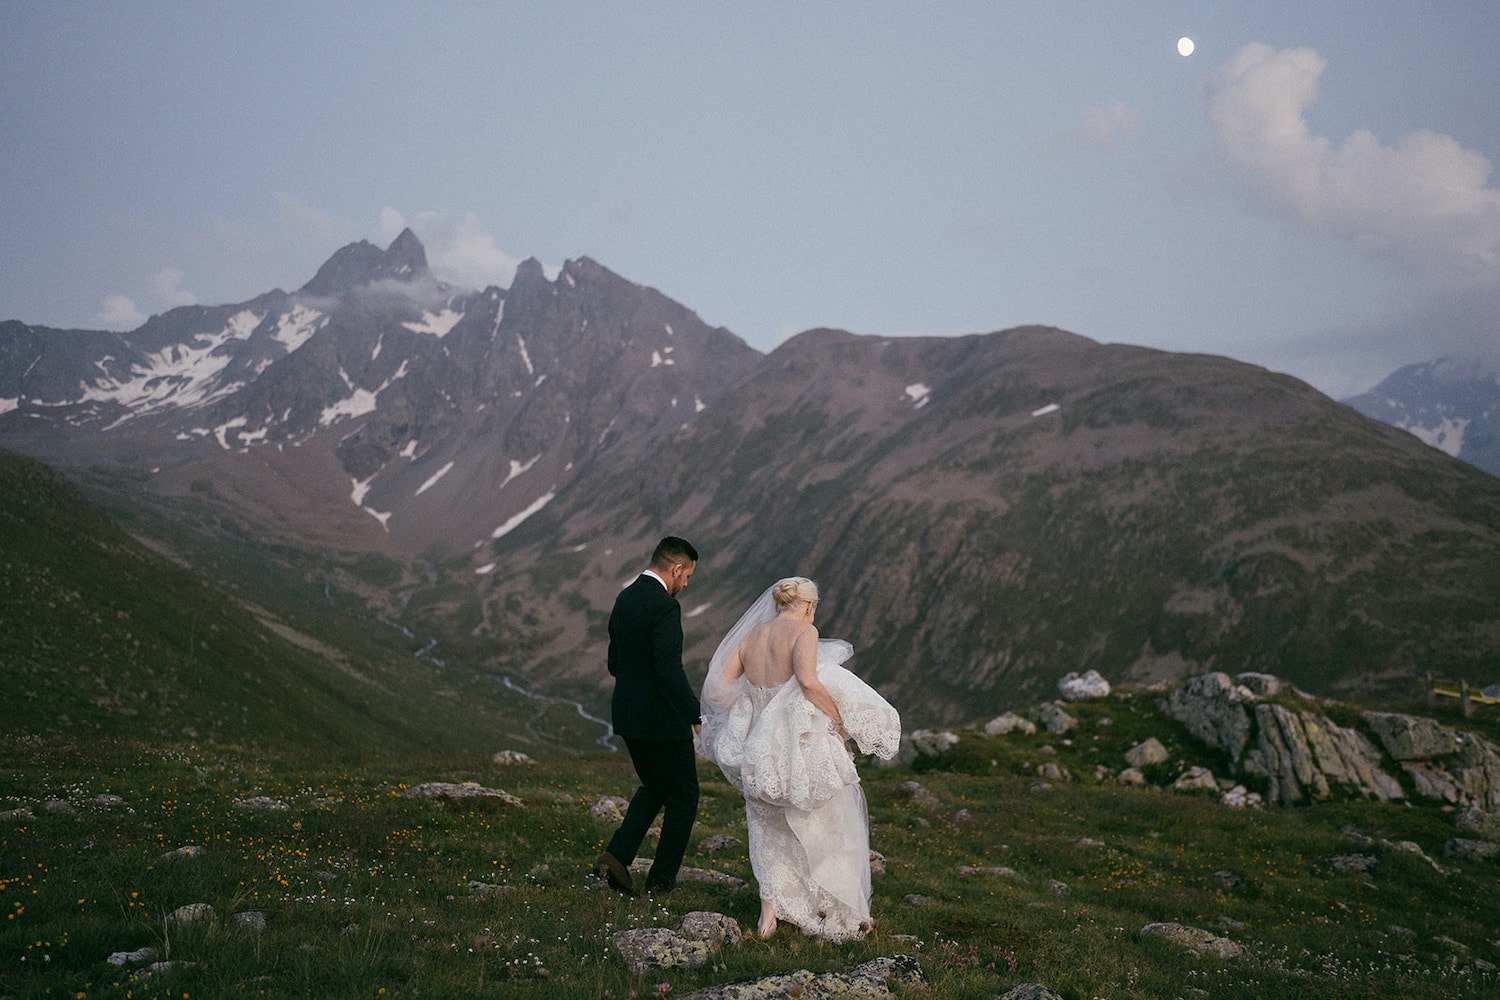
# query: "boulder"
1239,797
1149,752
1195,939
461,790
1032,991
1212,707
1260,685
918,794
1077,687
689,945
718,842
1411,737
1010,722
1196,779
933,744
250,920
1053,718
610,808
1471,850
192,913
1132,776
512,757
262,803
870,980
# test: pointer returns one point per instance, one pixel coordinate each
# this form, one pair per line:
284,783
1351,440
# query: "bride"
777,708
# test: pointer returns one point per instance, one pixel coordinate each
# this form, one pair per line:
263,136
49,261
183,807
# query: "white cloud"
458,248
119,312
166,284
1424,201
1099,128
307,223
1107,126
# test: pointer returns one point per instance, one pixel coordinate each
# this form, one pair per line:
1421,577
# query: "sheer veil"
723,706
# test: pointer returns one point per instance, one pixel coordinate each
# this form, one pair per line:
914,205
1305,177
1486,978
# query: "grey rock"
688,946
933,744
1260,685
871,980
1053,718
460,790
1240,797
192,913
1479,823
918,794
250,920
486,890
147,954
189,851
1053,771
1032,991
1471,850
60,807
610,808
1010,722
264,803
1196,779
1353,862
512,757
1411,737
1151,751
1195,939
1132,776
1079,687
1212,707
718,842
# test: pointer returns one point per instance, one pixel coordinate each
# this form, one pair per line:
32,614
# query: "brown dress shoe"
608,867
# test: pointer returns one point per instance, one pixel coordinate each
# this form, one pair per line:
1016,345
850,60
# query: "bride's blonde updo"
793,590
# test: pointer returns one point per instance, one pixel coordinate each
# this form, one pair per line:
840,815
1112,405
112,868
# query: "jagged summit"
363,263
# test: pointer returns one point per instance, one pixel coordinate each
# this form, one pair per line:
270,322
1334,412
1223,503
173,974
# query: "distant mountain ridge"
985,513
1452,405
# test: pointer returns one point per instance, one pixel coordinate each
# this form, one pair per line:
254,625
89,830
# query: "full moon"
1184,46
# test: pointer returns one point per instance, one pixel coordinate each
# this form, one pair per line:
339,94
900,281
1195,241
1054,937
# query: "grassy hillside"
103,638
366,892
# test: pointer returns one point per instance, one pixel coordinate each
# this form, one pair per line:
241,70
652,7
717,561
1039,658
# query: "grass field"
367,893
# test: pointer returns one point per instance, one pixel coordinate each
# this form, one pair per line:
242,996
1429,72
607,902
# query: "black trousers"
668,770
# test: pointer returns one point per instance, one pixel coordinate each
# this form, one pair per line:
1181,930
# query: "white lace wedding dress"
808,824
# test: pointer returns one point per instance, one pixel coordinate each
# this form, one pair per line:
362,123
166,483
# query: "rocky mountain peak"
363,263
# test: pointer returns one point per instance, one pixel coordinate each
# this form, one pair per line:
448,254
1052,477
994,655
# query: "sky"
1310,190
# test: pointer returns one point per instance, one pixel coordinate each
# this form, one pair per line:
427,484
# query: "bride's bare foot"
767,925
866,928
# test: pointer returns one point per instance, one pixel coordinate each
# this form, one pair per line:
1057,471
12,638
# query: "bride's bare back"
769,651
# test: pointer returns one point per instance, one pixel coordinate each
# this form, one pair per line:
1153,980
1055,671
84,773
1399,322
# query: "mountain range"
1452,405
984,513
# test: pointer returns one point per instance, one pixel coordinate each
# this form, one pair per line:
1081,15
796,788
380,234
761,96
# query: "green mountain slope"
102,637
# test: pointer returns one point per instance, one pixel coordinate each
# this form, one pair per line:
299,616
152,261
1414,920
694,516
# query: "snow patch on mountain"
296,327
919,393
516,468
432,480
531,509
436,323
1446,436
6,405
359,401
182,375
1049,408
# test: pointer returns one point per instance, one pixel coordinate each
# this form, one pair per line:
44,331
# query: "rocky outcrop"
1303,754
870,980
697,936
1213,708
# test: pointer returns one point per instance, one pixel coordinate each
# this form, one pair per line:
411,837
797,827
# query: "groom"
656,712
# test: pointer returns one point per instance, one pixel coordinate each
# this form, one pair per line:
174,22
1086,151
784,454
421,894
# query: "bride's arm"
805,667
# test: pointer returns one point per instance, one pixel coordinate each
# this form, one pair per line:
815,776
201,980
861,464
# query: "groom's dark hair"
672,550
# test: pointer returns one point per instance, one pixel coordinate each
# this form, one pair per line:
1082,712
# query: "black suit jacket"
652,700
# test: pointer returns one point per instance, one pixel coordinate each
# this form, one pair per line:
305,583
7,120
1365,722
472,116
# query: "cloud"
1423,202
166,285
1100,128
458,248
308,223
119,312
